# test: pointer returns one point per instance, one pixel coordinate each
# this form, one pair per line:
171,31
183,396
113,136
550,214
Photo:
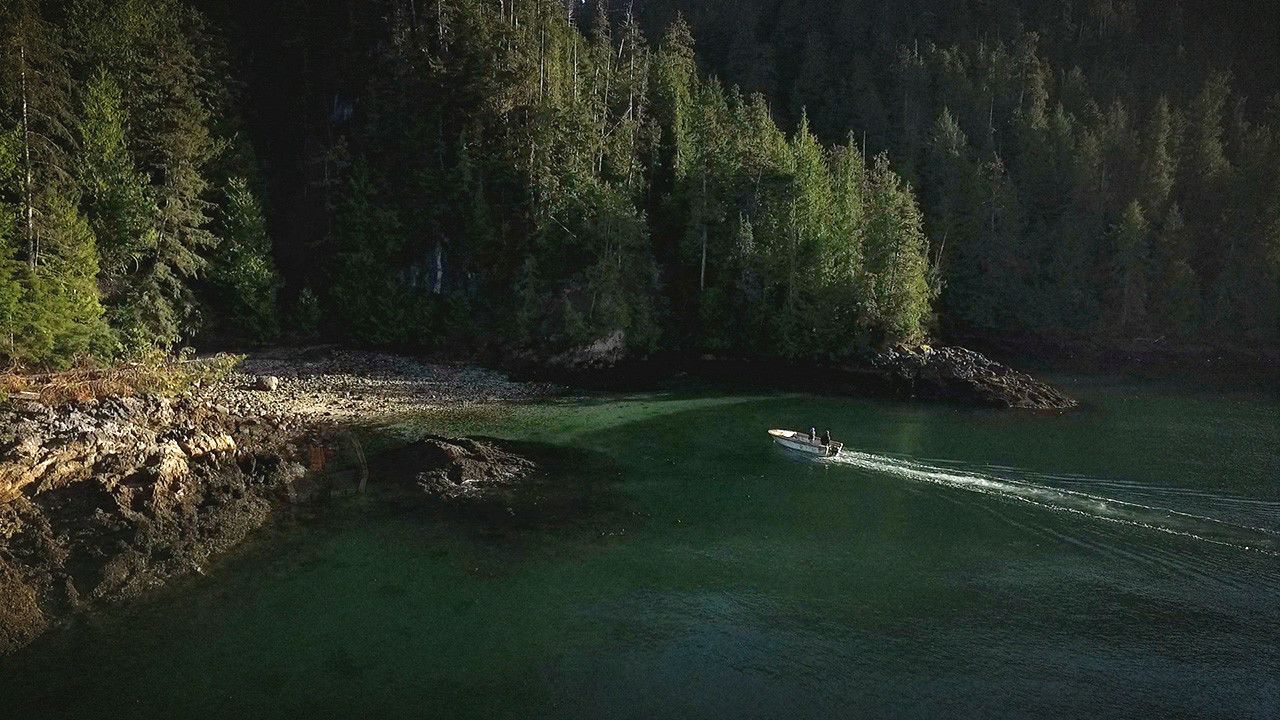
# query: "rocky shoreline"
960,375
103,501
330,386
100,502
942,374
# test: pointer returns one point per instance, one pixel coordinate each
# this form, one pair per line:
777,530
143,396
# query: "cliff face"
102,501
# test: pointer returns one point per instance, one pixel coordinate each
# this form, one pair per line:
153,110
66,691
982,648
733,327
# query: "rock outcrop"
949,374
102,501
462,469
960,375
503,486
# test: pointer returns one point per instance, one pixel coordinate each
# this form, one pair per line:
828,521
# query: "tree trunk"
702,274
438,285
28,173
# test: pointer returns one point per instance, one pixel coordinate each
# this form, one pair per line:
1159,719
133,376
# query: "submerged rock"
504,486
464,468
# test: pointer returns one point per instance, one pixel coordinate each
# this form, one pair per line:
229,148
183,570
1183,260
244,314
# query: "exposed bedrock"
961,375
102,501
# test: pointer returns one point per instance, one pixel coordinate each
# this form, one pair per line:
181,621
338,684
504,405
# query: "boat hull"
799,442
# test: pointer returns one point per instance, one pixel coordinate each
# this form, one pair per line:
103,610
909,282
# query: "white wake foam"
1160,519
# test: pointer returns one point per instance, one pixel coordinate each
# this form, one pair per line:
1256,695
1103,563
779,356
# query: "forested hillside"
127,207
758,177
1103,168
522,174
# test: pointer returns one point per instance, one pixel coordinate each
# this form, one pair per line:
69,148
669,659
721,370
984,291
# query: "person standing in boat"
813,435
826,438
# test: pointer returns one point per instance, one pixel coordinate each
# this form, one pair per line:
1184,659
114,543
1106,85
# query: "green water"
1120,561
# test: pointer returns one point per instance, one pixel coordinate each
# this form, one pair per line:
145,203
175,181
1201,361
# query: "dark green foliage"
152,51
895,265
36,101
118,200
11,289
464,174
63,319
242,270
569,182
372,290
304,317
1174,298
108,190
1128,293
1028,129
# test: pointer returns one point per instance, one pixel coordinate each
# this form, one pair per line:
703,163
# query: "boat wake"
1242,535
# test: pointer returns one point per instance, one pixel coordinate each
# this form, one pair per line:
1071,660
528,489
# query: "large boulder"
266,383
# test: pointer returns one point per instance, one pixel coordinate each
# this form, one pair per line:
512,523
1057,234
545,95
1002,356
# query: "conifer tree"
11,289
807,236
1130,270
62,318
153,52
242,268
1206,171
954,214
1175,296
117,200
367,296
36,100
843,264
896,266
675,75
1157,171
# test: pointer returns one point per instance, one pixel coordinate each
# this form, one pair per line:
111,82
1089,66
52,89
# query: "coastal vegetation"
152,373
731,178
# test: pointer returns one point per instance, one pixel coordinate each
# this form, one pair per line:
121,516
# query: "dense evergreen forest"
128,208
1099,168
752,177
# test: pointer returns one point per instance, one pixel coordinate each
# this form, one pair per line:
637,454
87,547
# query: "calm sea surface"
1120,561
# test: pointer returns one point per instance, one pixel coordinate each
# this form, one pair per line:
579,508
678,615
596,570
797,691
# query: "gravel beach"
301,387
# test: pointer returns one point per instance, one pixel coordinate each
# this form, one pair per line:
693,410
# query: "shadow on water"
383,555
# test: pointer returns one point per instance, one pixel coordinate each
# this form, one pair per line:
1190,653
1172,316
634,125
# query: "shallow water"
1121,561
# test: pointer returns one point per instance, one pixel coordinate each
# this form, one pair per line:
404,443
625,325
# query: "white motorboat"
801,442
